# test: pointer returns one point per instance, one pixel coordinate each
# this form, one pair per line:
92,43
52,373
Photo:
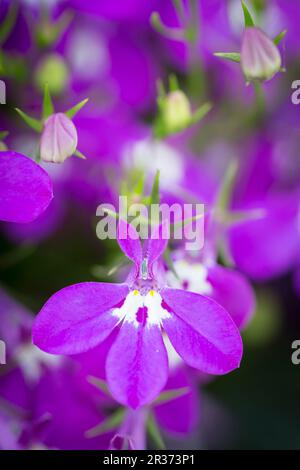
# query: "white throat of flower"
135,300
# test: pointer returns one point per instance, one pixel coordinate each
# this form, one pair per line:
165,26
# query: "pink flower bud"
59,139
260,57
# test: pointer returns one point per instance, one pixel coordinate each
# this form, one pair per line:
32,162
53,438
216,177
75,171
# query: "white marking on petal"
128,311
194,274
156,313
134,301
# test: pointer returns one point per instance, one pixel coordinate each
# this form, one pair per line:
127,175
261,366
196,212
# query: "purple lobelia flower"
80,316
25,188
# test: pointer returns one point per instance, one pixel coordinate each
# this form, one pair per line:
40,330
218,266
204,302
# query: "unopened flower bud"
59,139
177,111
260,57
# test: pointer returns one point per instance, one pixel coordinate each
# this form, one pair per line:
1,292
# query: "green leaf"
48,108
233,56
30,121
225,192
238,217
169,395
139,186
3,135
73,111
201,113
279,37
176,34
78,154
109,424
99,383
155,198
154,432
9,22
247,16
169,262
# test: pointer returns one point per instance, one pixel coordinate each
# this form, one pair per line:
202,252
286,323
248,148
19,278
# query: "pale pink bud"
260,57
59,139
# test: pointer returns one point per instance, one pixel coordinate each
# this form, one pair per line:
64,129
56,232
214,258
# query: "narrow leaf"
155,189
279,37
225,192
154,432
73,111
201,113
111,423
170,395
30,121
48,108
78,154
99,383
247,16
3,135
9,22
233,56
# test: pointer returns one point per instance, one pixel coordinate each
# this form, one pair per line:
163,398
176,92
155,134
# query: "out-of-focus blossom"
25,188
59,139
260,57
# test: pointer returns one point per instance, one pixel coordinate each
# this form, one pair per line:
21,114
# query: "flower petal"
25,188
137,364
157,242
78,317
129,242
233,291
202,332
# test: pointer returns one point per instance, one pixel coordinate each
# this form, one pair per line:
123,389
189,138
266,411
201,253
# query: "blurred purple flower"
25,188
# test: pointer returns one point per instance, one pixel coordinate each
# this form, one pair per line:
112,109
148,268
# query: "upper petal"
137,364
157,242
78,317
129,241
202,332
25,188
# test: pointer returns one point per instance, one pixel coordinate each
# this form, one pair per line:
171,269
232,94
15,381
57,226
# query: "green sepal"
247,16
9,22
35,124
233,56
78,154
155,197
109,424
170,395
74,110
279,37
154,432
48,107
99,383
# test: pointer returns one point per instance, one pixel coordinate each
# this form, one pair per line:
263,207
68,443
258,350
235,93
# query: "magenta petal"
233,291
129,241
137,365
202,332
157,242
25,188
78,317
